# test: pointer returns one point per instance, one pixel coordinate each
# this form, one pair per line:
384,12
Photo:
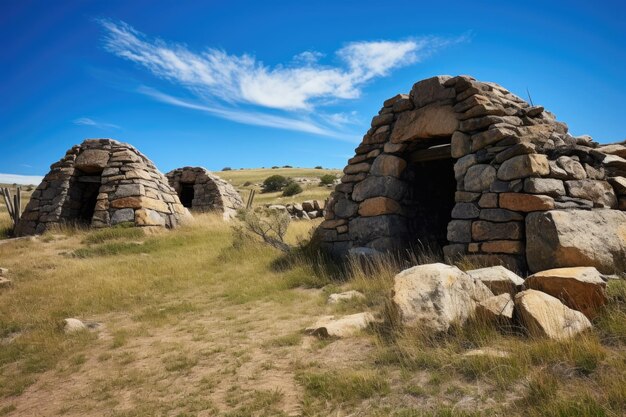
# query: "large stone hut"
201,190
101,183
468,167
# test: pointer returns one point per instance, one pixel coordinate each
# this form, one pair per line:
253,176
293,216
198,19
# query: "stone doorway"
83,197
430,195
186,194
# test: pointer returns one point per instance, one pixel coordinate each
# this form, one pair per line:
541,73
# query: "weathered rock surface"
545,316
435,296
72,325
5,282
498,279
331,326
345,296
580,288
498,308
566,238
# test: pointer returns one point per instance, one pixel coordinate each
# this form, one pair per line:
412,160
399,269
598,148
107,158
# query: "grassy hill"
198,322
247,179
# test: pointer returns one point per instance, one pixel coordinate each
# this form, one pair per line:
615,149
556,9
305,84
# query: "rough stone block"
483,230
546,186
524,166
460,231
428,122
526,202
388,165
600,192
479,178
379,205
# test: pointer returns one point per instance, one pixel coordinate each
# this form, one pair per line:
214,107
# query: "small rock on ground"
345,326
344,296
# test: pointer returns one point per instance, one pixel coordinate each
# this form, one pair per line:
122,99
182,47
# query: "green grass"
343,386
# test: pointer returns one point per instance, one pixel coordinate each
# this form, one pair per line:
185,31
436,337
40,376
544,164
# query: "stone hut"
101,183
201,190
468,167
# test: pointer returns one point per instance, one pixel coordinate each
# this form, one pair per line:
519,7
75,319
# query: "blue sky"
251,84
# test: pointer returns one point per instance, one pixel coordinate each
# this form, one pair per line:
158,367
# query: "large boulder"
545,316
498,279
561,238
435,296
580,288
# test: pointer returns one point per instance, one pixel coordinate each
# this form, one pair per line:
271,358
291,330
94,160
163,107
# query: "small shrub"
269,225
247,183
274,183
275,167
327,179
319,167
292,189
227,169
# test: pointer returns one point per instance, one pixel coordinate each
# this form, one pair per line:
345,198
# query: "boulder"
344,296
3,272
498,279
566,238
435,296
330,326
581,288
5,282
498,308
545,316
72,325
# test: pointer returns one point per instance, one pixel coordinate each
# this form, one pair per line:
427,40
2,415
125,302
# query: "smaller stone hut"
102,183
201,190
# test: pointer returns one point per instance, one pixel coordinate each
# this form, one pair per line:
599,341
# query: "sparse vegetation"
292,188
327,179
274,183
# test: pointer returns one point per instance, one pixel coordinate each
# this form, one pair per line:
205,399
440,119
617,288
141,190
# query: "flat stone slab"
344,296
331,326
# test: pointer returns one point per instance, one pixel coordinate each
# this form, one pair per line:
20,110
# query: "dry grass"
192,325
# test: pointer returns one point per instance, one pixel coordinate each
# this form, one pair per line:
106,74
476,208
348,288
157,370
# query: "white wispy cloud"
86,121
20,179
301,85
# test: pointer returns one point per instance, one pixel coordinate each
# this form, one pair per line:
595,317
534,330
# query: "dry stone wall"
469,166
102,183
208,192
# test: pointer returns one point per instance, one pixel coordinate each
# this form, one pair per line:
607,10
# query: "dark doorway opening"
186,194
430,199
83,195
